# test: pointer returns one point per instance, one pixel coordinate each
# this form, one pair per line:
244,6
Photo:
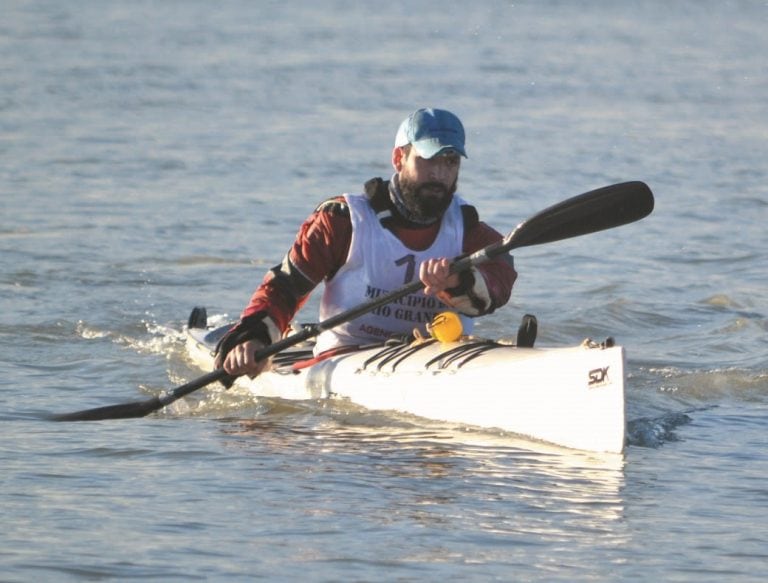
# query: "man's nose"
438,171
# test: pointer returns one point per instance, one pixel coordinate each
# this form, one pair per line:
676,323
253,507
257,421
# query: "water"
157,156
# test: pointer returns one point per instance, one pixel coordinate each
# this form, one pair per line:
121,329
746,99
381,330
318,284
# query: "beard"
426,201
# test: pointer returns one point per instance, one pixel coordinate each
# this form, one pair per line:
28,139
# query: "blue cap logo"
432,132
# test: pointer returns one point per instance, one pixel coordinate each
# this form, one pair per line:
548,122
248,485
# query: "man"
365,245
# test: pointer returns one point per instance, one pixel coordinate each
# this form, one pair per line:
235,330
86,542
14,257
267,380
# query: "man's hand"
436,276
240,360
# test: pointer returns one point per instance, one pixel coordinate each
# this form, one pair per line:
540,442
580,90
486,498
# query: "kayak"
572,396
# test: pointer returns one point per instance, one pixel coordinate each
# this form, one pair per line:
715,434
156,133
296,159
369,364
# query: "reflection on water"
491,485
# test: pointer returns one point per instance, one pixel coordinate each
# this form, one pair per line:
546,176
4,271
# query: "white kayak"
568,396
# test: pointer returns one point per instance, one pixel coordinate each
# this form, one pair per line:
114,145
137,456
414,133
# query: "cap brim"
430,148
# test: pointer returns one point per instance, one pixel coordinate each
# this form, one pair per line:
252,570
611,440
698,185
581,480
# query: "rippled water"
157,156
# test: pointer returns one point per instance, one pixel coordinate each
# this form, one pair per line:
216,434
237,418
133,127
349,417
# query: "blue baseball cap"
432,132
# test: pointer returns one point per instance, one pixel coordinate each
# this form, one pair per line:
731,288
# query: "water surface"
158,156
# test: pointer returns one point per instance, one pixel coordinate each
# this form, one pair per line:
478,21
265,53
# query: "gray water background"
155,156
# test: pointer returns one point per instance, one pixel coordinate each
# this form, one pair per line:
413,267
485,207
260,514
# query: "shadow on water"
655,432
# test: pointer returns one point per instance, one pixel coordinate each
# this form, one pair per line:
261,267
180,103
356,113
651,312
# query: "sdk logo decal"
598,377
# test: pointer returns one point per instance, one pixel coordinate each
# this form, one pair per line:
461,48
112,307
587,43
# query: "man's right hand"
240,360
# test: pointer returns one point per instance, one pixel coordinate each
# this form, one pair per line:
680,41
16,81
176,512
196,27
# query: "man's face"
427,185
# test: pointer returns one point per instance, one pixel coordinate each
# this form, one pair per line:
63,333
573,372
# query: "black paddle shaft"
593,211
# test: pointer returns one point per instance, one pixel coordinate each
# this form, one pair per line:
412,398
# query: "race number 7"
410,267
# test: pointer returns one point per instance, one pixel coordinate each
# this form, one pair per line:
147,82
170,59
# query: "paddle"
604,208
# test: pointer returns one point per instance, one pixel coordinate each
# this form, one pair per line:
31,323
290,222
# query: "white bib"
377,263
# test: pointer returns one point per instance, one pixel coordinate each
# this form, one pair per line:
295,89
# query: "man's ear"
398,158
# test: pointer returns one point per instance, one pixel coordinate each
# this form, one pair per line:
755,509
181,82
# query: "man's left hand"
436,276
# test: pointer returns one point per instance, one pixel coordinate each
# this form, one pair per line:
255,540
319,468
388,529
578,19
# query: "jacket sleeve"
319,250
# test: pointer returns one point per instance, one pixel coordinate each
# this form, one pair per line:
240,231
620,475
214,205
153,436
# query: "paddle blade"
597,210
141,408
123,411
